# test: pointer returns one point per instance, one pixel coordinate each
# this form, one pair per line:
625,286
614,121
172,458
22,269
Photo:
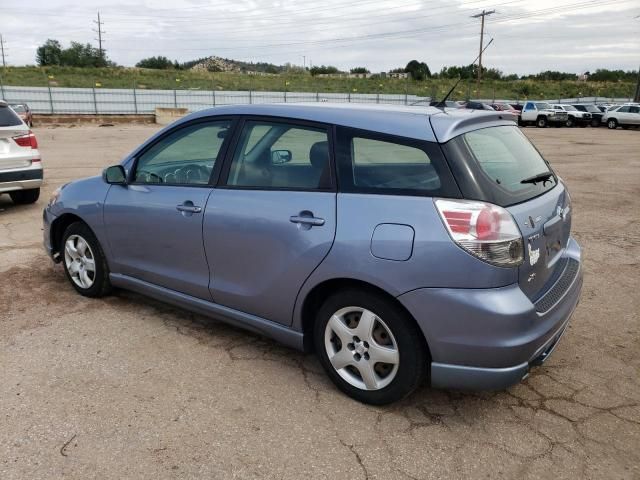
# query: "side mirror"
114,175
279,157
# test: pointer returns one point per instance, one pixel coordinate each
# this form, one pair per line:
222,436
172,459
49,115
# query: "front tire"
541,122
612,124
84,261
369,347
25,197
570,123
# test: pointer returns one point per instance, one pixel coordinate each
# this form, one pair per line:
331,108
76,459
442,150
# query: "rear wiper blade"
540,177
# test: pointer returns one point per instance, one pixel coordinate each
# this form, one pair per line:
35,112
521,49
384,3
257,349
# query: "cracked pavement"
126,387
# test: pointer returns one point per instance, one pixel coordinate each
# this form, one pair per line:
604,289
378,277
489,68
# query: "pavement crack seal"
63,449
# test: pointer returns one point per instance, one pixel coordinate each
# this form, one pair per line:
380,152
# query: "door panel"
154,224
259,258
154,241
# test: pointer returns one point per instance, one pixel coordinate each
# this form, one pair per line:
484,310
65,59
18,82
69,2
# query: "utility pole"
636,97
4,63
100,32
304,61
481,16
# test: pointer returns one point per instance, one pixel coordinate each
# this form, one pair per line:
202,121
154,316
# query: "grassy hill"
203,80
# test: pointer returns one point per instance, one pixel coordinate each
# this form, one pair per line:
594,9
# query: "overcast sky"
529,36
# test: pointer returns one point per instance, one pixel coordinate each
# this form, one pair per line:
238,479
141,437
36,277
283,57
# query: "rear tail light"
484,230
27,140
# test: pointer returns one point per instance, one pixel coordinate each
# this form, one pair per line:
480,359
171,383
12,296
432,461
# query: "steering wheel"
149,175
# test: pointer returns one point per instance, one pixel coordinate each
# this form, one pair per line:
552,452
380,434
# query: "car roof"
401,120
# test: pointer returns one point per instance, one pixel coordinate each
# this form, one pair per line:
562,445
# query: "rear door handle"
307,220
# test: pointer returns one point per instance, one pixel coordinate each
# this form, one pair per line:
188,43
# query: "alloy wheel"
361,348
80,261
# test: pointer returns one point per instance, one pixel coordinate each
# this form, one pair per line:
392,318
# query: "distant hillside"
218,64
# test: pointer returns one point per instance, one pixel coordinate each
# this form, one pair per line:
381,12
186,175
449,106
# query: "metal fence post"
175,99
95,101
50,97
378,97
213,97
250,98
285,96
317,96
2,96
349,97
135,100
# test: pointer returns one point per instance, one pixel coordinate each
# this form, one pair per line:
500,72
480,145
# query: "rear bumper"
489,339
21,179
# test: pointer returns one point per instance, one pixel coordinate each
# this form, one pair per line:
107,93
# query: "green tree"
359,70
322,69
49,53
159,62
418,70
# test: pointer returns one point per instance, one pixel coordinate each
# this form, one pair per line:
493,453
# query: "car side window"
370,162
634,110
279,155
184,157
624,109
529,106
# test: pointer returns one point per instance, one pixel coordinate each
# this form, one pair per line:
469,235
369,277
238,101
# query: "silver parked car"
20,162
624,116
399,243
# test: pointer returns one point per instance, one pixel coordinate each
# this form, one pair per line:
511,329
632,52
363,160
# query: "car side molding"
246,321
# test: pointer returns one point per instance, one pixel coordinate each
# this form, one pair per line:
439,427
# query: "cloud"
573,35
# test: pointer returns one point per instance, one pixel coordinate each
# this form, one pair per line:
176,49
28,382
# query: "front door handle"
306,219
188,208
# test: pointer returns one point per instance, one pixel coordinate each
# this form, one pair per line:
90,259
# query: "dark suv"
596,113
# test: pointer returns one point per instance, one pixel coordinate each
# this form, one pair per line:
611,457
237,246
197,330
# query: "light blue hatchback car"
399,243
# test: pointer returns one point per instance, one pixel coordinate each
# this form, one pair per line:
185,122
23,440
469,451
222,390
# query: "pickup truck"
541,114
576,117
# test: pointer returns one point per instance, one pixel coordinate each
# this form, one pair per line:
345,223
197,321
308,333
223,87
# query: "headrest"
319,154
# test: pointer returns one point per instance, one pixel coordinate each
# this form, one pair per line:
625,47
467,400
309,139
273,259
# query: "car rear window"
370,162
503,157
8,118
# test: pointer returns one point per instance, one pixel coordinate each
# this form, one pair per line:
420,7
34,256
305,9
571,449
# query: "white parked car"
20,162
624,116
574,116
542,114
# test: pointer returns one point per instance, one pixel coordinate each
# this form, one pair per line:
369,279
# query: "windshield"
500,159
570,108
593,109
543,106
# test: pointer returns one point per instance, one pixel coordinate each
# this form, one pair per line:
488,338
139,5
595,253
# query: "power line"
482,16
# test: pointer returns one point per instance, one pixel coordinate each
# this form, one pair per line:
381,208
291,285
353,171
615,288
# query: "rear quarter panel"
435,261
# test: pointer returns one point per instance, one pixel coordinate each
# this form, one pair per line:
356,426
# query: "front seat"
319,158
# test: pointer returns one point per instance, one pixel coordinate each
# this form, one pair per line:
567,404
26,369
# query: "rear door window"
375,163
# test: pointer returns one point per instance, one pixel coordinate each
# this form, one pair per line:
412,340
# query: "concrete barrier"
72,118
166,115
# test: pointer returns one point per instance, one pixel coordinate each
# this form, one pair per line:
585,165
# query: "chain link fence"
59,100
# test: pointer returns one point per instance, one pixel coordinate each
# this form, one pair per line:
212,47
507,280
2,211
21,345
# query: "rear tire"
612,124
570,122
541,122
342,339
25,197
85,264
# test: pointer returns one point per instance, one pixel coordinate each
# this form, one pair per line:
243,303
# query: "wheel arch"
59,225
321,292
